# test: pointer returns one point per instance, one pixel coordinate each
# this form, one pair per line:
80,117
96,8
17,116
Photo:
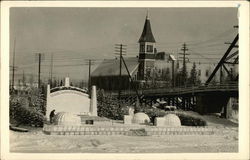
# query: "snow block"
159,121
127,119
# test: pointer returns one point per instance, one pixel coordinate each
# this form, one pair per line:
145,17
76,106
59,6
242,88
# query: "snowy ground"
35,141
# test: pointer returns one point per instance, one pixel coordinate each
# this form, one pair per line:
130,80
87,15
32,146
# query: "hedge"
25,116
186,119
28,110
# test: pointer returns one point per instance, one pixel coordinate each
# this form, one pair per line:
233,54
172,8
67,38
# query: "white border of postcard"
243,14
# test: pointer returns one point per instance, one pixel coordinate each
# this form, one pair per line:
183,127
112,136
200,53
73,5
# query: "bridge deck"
224,88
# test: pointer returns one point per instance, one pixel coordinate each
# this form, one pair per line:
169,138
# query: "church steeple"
147,35
147,51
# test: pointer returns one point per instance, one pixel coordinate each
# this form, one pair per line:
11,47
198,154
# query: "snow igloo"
172,120
140,118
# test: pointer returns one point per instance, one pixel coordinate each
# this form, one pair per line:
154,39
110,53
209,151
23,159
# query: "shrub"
112,111
25,116
108,106
153,113
27,110
188,120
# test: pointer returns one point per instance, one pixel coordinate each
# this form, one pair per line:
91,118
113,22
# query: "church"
141,68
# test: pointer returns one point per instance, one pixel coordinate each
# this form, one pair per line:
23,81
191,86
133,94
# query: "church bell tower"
147,51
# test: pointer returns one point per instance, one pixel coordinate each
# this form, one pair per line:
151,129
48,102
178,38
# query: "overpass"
213,98
230,88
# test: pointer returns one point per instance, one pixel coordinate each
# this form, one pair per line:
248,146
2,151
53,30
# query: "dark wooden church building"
107,75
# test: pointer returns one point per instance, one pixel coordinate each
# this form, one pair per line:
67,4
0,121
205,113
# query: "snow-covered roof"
172,57
111,67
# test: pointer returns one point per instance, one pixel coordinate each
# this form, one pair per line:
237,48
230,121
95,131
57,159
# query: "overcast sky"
76,34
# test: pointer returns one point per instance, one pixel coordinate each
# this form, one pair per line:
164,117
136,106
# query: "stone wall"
125,130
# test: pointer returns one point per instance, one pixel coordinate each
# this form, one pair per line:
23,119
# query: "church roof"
111,67
147,35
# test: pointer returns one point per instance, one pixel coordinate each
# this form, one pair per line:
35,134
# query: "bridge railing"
183,89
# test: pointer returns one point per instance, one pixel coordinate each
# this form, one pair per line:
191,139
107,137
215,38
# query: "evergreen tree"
178,79
222,75
184,75
54,83
193,79
31,79
24,79
166,75
177,65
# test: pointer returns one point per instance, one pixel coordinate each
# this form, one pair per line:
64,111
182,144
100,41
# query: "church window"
142,48
149,48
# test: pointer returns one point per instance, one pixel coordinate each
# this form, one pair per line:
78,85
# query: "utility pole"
120,73
131,78
90,62
24,79
184,49
173,74
39,70
89,73
51,68
13,65
39,57
89,82
121,50
184,69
